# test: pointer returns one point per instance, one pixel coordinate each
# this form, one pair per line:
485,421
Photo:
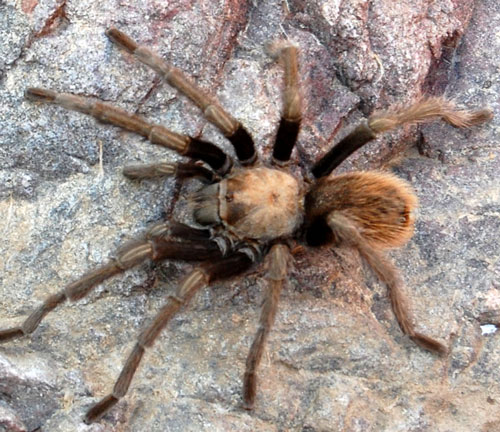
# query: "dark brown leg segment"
130,255
178,229
277,271
340,152
291,117
156,134
217,269
422,111
345,232
214,113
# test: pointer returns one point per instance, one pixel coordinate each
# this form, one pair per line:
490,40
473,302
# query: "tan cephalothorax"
253,204
259,208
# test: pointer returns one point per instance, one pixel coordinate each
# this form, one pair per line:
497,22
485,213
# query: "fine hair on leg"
221,268
346,232
276,261
131,254
213,112
425,110
169,169
156,134
291,116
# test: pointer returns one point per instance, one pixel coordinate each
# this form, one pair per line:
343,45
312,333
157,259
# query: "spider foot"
100,408
249,392
429,344
9,334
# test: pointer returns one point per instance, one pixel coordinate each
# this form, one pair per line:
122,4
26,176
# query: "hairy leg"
167,169
214,113
154,247
220,268
277,261
291,116
345,232
422,111
156,134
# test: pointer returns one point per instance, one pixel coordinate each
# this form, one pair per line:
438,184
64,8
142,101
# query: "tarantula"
251,211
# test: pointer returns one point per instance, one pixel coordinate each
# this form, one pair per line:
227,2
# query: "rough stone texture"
336,359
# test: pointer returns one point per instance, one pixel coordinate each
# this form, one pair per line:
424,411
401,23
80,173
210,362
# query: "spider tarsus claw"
248,405
429,344
39,94
482,115
121,39
9,334
99,409
249,391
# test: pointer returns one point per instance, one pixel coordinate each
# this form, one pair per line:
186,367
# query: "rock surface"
336,359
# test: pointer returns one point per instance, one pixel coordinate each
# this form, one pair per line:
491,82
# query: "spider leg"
346,232
214,113
202,276
291,117
423,111
156,134
277,260
155,247
166,169
178,229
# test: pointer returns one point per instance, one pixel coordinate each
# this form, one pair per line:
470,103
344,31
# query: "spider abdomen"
379,204
253,204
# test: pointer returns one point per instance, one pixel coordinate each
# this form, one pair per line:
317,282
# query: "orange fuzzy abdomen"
379,204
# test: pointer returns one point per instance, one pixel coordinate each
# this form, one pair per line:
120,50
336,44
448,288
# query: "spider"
250,211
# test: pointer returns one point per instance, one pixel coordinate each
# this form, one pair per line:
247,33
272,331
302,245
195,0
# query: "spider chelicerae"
251,211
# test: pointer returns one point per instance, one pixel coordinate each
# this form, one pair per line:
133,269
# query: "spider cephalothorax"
251,211
253,204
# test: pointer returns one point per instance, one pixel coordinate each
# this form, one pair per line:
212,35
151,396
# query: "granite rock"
336,359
